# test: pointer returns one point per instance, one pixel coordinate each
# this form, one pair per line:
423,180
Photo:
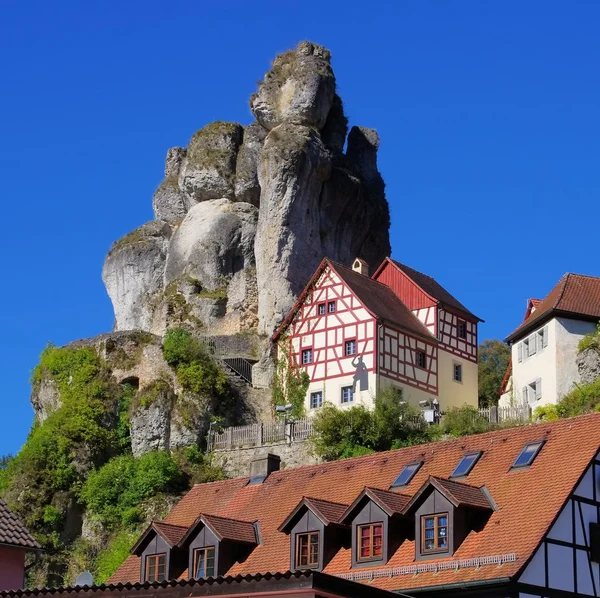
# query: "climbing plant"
290,381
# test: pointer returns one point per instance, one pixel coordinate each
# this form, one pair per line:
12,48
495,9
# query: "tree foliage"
463,421
341,433
494,357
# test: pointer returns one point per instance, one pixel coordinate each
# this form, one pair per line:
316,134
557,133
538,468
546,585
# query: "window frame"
529,463
372,557
346,343
156,558
323,307
476,454
310,564
460,322
342,395
417,465
460,369
307,350
418,353
436,550
331,304
312,394
205,550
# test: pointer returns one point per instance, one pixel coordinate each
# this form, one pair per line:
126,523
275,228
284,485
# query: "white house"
544,347
354,334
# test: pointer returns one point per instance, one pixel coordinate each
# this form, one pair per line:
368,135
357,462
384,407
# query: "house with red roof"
510,513
354,334
15,542
545,345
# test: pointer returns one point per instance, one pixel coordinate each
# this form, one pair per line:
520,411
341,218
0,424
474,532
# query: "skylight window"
407,474
466,464
528,454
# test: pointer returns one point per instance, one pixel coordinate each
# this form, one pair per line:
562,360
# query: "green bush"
464,421
111,558
584,398
590,341
341,433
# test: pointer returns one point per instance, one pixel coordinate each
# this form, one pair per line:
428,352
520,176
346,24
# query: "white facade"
544,366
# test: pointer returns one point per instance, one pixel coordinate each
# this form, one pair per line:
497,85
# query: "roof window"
407,474
528,454
466,464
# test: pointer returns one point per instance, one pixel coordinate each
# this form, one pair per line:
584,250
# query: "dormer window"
156,567
307,550
204,562
434,533
370,542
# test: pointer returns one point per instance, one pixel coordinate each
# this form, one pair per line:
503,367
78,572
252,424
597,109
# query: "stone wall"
236,462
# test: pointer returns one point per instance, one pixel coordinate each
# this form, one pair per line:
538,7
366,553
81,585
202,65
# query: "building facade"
355,335
545,346
512,513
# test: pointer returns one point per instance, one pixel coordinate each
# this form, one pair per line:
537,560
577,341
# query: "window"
347,394
350,347
407,474
307,550
331,307
156,567
321,309
421,359
533,391
434,533
528,454
532,344
461,329
316,400
457,372
370,542
307,356
466,464
204,563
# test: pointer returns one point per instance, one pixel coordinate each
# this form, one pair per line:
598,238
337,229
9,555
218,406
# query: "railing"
260,434
240,366
498,415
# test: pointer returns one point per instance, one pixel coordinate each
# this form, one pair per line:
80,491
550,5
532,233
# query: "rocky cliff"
245,214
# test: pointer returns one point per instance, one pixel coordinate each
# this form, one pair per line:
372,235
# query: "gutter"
460,585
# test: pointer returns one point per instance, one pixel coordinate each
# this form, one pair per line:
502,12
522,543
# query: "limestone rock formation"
588,365
245,215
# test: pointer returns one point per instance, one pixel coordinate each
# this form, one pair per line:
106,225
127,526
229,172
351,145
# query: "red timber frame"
448,335
398,359
334,329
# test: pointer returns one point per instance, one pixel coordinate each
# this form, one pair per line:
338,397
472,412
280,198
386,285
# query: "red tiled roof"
574,295
12,531
330,512
433,288
510,529
462,494
381,301
231,529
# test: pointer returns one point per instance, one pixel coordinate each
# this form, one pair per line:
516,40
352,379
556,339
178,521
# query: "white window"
316,400
347,394
457,372
307,356
331,307
321,309
350,347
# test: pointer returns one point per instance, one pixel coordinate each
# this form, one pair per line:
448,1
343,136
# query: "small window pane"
316,400
321,309
331,307
421,359
466,464
434,533
351,347
528,454
407,474
347,394
307,356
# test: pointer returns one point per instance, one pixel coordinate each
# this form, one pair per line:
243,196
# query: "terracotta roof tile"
463,494
232,529
393,501
330,512
574,294
12,531
171,533
433,288
510,529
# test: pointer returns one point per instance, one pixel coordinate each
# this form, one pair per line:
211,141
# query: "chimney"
261,467
360,266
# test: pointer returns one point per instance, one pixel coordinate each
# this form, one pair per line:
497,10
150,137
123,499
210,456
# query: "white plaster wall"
568,334
541,365
332,392
409,394
456,394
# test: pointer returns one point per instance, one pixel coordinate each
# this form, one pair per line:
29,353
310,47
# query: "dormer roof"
224,528
458,493
329,513
171,534
391,503
574,296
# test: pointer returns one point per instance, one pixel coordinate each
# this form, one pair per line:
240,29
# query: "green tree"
494,357
463,421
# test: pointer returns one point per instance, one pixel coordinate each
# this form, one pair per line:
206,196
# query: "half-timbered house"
354,335
513,513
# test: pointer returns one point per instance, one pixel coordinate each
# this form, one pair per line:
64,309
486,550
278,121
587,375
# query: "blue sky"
487,112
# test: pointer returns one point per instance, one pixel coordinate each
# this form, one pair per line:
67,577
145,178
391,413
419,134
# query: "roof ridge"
169,524
331,502
436,477
227,518
564,288
337,264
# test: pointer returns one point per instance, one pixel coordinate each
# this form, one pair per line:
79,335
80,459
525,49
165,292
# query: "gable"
407,291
